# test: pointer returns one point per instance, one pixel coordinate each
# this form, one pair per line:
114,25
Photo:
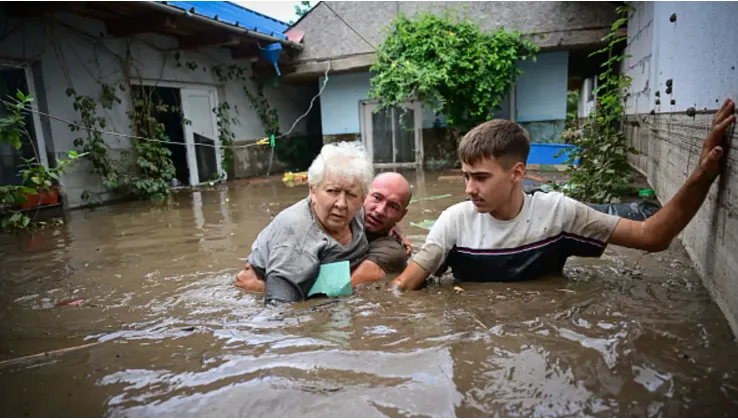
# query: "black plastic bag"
638,210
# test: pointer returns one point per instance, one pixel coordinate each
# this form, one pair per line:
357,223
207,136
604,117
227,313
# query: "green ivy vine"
447,62
36,178
603,174
264,110
155,166
91,141
267,114
226,136
293,150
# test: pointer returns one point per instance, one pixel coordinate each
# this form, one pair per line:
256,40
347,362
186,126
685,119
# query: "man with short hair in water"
505,235
384,207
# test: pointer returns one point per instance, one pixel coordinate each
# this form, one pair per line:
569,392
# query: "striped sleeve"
588,224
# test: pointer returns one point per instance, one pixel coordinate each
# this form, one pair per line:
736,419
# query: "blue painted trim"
543,154
232,14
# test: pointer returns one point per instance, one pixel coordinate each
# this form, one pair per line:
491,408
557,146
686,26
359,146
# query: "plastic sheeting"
637,210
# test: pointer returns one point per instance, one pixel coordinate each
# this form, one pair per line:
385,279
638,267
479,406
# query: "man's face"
386,204
489,184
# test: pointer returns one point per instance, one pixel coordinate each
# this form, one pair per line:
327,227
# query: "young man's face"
489,184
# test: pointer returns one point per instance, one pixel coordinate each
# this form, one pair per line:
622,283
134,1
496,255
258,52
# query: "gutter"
175,11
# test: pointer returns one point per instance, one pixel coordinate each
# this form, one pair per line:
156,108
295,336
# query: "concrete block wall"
690,45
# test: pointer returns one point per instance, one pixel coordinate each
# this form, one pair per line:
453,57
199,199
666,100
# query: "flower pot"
42,198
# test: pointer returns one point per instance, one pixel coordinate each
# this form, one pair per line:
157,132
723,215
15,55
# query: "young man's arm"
412,278
656,233
441,238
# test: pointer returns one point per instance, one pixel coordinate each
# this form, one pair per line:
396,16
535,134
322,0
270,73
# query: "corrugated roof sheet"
232,13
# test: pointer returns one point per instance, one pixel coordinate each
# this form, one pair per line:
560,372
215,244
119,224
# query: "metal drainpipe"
241,31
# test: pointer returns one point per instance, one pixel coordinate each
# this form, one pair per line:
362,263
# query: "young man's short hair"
504,140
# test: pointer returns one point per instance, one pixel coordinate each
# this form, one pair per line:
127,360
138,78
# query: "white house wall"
71,54
697,53
639,65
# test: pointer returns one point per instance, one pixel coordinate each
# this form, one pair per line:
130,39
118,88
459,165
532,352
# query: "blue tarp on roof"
231,13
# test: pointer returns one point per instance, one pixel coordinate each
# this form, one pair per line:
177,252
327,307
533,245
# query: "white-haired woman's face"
335,202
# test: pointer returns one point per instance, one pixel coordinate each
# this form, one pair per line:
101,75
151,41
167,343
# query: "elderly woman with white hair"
326,227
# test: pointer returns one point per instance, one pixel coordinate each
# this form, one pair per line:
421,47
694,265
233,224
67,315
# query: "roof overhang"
190,29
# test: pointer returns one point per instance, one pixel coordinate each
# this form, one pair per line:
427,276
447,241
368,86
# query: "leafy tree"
303,8
447,62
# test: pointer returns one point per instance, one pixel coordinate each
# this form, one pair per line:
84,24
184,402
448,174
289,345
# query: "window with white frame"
393,137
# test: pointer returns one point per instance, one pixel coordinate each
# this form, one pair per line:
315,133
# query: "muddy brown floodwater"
624,335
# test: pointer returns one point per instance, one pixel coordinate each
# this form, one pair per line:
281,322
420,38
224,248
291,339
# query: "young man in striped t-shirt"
505,235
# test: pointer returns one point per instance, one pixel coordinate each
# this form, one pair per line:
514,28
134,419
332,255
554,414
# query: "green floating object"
426,224
547,188
647,193
271,140
434,197
333,280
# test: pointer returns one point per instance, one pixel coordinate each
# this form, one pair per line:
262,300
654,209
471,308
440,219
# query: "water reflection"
366,383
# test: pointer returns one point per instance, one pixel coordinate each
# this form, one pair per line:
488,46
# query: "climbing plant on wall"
154,169
36,178
155,166
294,151
603,174
91,141
226,136
267,114
259,102
450,64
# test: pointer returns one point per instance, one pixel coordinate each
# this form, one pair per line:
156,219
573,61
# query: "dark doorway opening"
171,117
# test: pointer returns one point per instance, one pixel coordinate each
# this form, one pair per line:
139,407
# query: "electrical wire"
263,141
294,124
352,28
116,134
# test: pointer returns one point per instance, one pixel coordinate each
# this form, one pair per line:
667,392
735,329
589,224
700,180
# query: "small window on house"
393,136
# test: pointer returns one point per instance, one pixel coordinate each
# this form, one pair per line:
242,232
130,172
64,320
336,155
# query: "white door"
201,136
393,137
